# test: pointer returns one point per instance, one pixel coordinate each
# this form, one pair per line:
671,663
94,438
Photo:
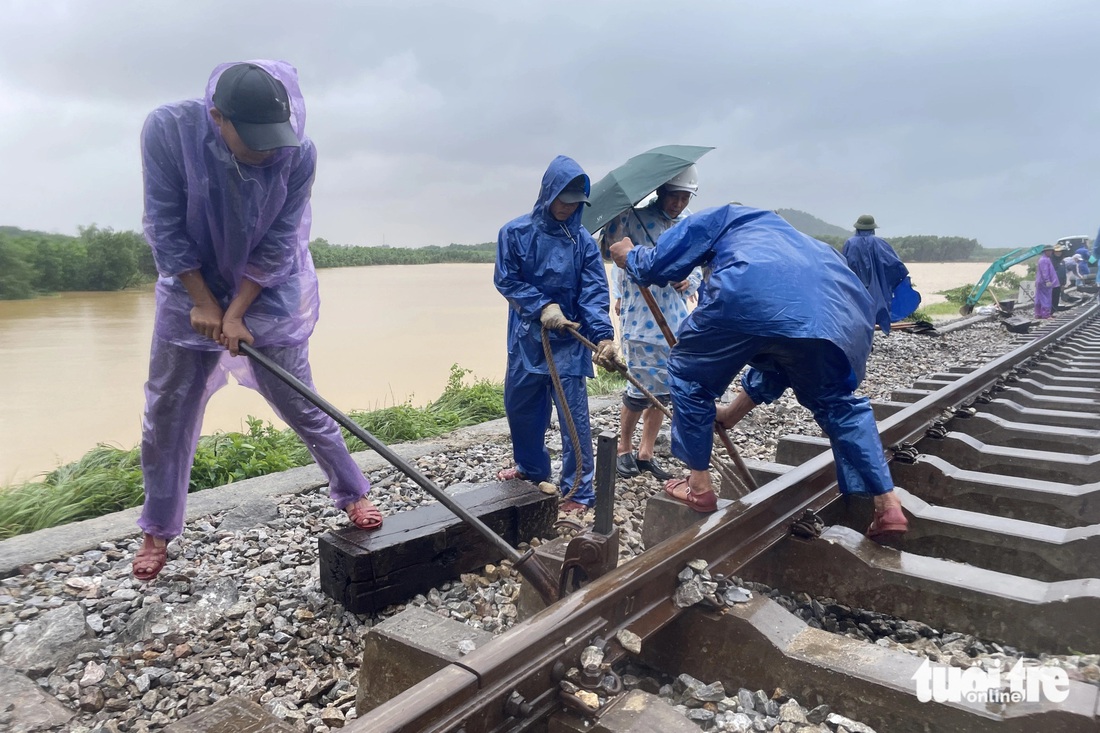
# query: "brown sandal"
150,559
508,474
703,503
364,517
888,524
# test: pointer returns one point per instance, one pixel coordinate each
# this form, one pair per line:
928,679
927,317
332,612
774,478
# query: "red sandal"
507,474
888,524
572,508
703,503
363,514
150,559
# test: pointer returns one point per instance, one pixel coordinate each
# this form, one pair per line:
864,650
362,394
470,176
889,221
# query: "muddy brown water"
72,367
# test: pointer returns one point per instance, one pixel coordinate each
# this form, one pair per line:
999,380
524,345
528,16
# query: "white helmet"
685,180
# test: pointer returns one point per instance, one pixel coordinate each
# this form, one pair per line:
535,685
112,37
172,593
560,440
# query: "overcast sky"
435,120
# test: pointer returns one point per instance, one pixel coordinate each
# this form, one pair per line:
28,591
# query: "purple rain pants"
180,384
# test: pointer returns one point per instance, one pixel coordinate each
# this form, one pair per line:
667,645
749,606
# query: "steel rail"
470,695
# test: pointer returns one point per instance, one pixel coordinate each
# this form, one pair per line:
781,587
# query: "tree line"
36,263
929,248
337,255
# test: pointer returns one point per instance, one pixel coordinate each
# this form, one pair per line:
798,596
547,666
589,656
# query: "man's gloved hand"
607,356
553,318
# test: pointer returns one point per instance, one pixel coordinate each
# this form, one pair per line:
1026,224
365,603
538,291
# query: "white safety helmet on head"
685,180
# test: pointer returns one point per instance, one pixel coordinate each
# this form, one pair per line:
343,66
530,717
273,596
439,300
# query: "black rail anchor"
527,563
596,551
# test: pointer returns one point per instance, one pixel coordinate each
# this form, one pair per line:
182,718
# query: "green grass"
108,479
606,383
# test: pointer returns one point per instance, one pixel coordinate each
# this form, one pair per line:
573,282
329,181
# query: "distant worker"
227,189
882,272
644,344
813,335
1046,279
1058,259
550,270
1077,271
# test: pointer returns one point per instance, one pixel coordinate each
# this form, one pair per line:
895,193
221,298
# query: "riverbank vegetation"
35,263
927,248
108,478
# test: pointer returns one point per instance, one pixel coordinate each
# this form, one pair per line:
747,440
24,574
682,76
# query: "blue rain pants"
704,363
527,400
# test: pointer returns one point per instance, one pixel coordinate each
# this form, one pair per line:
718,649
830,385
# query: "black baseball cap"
257,105
573,193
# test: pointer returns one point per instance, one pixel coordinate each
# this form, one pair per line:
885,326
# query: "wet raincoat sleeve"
594,301
275,257
524,297
678,252
165,219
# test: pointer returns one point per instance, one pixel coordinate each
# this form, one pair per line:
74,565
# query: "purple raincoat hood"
282,71
206,211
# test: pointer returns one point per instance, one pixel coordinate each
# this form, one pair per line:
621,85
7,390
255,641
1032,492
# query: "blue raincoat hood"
559,173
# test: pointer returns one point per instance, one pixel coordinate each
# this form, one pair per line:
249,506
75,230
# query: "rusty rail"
471,696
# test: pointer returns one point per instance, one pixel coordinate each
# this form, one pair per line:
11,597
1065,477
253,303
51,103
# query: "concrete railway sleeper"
1003,546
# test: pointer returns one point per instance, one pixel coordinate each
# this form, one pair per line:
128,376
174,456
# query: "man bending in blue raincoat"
882,272
813,337
549,268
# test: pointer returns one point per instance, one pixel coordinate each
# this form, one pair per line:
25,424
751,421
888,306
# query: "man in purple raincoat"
227,189
1046,279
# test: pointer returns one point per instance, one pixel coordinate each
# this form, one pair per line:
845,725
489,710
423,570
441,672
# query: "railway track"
1001,469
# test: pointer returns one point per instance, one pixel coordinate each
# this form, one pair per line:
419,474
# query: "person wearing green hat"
882,272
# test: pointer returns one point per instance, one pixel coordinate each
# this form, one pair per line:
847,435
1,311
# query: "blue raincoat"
884,275
784,303
541,261
206,211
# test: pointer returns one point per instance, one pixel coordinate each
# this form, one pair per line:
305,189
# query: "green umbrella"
634,180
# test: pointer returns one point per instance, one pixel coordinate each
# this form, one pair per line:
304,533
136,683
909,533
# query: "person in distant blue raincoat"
549,269
813,335
227,183
883,273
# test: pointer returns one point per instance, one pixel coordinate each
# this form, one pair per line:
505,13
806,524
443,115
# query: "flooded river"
72,366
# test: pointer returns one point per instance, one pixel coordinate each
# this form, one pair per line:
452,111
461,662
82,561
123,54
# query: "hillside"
810,224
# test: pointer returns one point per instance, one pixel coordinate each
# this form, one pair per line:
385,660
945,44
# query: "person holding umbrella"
549,269
644,344
227,189
815,342
882,272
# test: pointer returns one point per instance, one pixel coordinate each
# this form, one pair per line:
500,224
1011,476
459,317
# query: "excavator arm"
999,265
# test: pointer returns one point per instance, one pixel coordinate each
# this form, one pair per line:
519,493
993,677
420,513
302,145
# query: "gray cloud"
435,120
